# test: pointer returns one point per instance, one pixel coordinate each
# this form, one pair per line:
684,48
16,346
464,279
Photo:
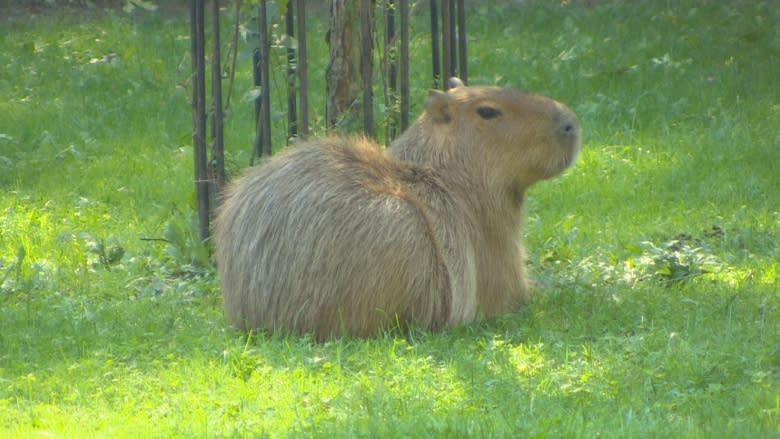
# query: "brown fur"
339,237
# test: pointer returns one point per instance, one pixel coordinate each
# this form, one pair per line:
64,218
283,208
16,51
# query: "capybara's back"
338,236
327,238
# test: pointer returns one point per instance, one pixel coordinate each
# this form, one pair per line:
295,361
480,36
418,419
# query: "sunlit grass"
656,256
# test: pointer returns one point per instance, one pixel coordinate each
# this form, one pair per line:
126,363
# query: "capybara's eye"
488,112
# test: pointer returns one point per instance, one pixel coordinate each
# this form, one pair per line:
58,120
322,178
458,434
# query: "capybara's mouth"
571,158
574,145
574,152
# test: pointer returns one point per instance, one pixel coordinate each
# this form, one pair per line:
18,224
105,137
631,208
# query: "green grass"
658,313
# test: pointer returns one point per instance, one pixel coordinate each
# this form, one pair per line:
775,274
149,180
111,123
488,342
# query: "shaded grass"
657,255
624,368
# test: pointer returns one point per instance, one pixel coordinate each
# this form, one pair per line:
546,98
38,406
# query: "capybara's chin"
339,237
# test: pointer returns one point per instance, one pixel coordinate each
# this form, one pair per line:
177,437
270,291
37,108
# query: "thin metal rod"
391,59
446,20
366,65
257,81
435,54
292,111
197,24
263,139
217,163
404,13
303,71
452,39
461,34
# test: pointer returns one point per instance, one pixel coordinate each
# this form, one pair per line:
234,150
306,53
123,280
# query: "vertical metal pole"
404,13
366,65
292,112
453,39
390,8
392,75
446,42
263,140
257,81
303,71
435,55
217,164
197,23
462,55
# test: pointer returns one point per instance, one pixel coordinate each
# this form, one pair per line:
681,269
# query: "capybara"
339,237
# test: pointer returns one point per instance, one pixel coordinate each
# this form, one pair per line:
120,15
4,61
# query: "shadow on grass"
578,360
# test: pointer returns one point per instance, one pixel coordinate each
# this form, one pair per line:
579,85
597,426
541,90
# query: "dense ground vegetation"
657,256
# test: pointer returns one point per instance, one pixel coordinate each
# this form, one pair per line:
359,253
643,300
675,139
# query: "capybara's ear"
455,82
437,106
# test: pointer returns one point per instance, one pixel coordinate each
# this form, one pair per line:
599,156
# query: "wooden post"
343,77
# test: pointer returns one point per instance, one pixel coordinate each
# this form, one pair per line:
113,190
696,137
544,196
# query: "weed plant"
657,311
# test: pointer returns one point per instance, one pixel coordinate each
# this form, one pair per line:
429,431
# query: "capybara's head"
522,137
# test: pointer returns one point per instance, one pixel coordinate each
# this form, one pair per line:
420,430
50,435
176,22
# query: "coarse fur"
338,236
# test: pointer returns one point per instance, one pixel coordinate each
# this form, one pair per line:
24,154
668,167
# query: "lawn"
657,257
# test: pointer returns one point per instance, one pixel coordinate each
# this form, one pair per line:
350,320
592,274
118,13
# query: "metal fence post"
197,24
